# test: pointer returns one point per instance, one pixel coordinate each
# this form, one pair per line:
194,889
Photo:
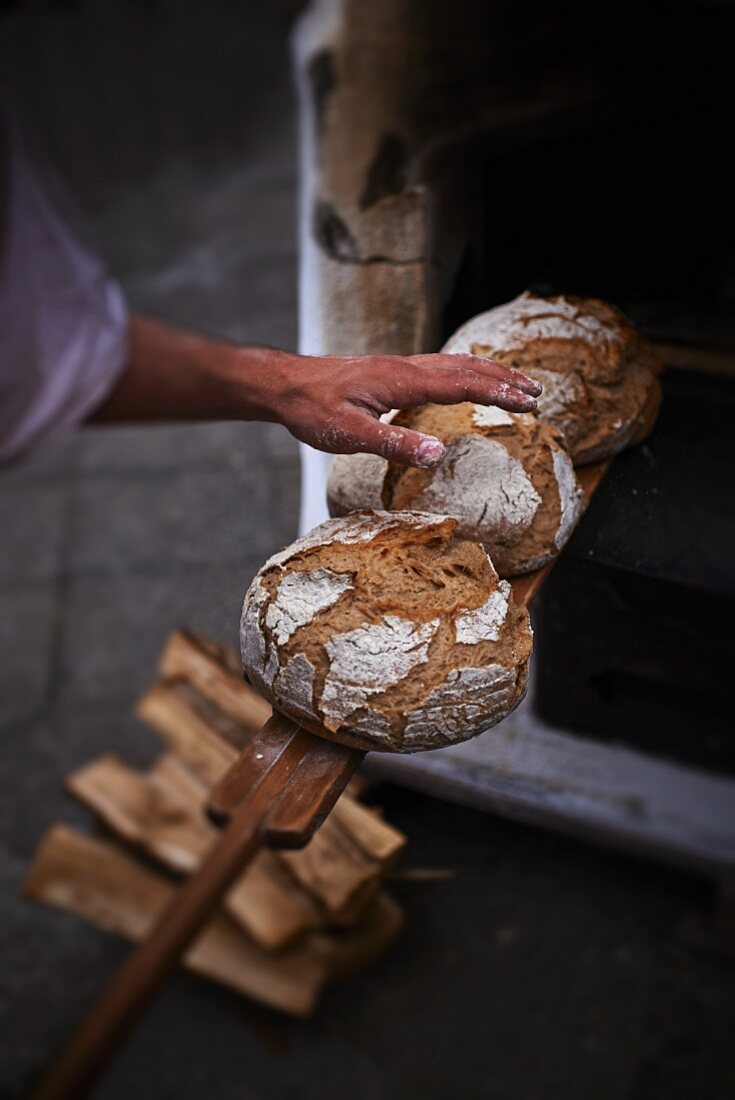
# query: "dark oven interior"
631,200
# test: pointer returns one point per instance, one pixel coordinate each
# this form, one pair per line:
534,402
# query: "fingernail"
430,452
535,387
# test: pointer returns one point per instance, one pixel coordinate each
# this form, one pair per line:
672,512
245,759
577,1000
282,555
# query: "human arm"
332,403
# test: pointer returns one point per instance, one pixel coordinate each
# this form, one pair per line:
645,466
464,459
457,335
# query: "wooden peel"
276,794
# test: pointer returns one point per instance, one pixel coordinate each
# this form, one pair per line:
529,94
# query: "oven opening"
638,211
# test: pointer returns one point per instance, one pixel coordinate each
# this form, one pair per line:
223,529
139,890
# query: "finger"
480,365
361,432
449,386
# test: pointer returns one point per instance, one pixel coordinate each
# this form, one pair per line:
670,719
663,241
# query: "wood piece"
319,781
162,813
144,813
374,836
171,773
270,904
171,709
98,881
186,657
350,950
254,762
226,655
336,872
359,786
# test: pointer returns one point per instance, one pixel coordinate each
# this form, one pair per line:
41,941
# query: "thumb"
364,433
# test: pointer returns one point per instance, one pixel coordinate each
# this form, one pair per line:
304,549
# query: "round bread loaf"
507,479
386,631
598,373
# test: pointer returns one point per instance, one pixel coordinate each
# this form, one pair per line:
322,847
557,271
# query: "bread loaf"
507,479
386,631
598,374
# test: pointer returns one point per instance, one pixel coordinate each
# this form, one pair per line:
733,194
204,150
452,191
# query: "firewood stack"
294,921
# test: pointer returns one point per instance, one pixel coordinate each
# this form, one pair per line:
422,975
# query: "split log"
99,882
144,813
191,726
225,655
162,813
273,908
336,871
374,836
170,773
347,951
342,865
209,669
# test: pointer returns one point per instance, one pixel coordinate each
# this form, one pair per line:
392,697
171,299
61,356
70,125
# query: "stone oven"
453,155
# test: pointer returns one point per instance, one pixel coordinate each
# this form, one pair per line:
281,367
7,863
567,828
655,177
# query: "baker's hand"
335,403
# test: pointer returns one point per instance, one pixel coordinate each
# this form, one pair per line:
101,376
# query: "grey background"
543,968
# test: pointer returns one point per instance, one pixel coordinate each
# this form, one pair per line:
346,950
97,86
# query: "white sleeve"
63,320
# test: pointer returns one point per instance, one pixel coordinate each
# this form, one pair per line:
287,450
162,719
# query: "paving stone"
32,526
280,444
27,629
170,522
255,304
37,757
51,967
115,627
53,463
147,450
41,947
209,219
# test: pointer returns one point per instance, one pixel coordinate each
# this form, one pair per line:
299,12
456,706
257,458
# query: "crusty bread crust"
386,631
507,479
598,373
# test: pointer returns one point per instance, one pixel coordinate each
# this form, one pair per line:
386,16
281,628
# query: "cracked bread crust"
507,479
388,632
598,373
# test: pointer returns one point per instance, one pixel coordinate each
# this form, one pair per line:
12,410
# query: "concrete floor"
544,968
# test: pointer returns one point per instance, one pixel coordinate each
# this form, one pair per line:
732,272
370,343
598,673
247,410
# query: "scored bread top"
386,631
506,478
598,373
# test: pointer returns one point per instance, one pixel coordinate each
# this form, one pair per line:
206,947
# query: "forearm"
173,374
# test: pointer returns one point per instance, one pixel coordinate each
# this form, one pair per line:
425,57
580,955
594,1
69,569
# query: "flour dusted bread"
386,631
598,373
507,479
